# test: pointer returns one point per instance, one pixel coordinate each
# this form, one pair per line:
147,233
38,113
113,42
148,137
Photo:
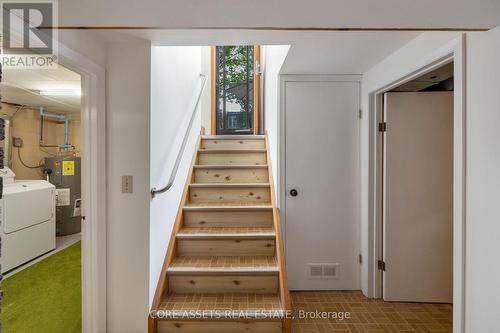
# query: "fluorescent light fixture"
61,92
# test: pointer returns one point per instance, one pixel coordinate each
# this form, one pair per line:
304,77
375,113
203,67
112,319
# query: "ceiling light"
61,92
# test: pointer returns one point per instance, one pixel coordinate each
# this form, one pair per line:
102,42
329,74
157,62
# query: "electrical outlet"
127,184
17,142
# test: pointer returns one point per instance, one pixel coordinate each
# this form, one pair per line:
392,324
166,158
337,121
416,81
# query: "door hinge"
381,265
360,259
360,113
382,127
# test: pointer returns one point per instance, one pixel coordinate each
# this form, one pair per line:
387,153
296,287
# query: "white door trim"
281,167
454,51
93,188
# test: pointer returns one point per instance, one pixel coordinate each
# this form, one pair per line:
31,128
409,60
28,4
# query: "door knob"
294,192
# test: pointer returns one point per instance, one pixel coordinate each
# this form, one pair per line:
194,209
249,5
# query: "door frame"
93,129
256,92
452,52
281,135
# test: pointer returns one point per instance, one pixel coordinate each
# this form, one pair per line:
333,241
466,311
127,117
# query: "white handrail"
165,188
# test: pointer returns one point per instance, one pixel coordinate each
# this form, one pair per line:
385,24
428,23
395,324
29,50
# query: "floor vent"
323,271
315,271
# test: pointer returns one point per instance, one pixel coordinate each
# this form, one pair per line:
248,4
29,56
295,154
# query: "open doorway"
42,177
417,189
235,89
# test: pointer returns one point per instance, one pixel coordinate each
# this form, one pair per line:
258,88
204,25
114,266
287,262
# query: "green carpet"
45,297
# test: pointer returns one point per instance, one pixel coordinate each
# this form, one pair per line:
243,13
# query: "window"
234,85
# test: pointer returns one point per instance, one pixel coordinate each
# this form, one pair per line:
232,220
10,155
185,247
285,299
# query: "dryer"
27,220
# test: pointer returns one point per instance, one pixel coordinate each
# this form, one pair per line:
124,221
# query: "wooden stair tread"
224,207
222,166
178,304
226,233
233,137
228,185
237,265
231,151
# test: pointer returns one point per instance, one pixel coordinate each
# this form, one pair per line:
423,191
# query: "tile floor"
368,315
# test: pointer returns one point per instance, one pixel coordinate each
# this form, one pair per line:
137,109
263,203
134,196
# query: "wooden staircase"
225,268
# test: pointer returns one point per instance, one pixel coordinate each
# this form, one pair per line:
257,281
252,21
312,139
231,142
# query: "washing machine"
27,220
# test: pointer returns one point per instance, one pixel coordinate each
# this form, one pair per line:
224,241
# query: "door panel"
418,231
322,150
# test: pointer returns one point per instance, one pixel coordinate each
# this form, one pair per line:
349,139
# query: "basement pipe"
44,114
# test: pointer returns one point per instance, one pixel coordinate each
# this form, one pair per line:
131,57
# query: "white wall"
400,63
128,121
483,183
273,57
206,99
175,85
85,43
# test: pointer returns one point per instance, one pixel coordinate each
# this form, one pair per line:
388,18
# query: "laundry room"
41,212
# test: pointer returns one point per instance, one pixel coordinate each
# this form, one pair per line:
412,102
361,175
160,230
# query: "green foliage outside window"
235,72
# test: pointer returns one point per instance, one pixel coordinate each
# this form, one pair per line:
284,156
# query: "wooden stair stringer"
162,286
280,249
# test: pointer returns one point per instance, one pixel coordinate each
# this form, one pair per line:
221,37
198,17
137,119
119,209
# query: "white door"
322,150
418,196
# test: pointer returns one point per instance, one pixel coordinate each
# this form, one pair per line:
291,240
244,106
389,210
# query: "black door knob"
294,193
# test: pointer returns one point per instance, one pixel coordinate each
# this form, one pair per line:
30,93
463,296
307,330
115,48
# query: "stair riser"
235,195
188,284
231,176
225,158
233,144
220,326
244,247
227,219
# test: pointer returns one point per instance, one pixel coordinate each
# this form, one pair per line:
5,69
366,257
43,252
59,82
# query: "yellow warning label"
68,168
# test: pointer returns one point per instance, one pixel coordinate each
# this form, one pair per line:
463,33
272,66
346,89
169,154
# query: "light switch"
127,184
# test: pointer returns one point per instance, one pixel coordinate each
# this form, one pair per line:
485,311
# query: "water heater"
65,173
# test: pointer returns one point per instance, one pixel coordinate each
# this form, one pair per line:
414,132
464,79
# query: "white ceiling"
22,86
320,52
176,14
341,52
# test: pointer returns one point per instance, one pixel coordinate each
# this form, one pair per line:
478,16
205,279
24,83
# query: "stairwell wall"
175,85
273,58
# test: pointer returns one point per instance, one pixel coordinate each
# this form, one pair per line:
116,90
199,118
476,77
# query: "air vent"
323,271
330,271
315,271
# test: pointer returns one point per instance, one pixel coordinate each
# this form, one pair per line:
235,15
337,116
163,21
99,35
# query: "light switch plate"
127,184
